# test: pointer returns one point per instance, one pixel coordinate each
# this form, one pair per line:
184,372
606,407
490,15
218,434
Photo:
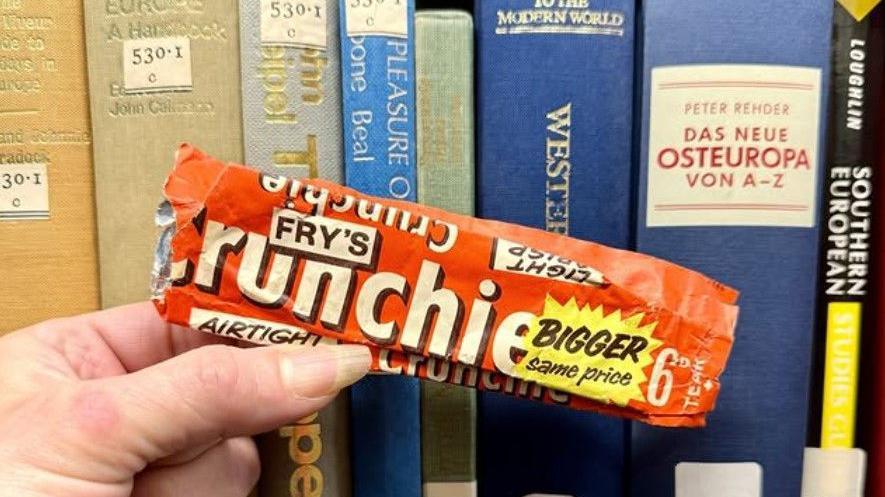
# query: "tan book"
47,227
160,73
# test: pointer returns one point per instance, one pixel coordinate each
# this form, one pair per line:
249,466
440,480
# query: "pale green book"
444,69
160,73
446,179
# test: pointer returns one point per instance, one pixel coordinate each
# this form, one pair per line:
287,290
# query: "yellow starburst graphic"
582,350
859,8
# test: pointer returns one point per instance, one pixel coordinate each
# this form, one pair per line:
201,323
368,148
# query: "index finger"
139,337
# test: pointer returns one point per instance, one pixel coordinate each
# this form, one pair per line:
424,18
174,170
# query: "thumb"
219,392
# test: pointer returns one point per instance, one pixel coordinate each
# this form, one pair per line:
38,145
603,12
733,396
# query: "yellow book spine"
840,375
47,210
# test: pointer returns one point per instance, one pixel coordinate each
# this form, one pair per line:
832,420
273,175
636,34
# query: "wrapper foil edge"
161,272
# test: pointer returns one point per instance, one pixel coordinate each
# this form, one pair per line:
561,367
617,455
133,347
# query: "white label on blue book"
294,23
157,65
377,17
733,145
24,192
741,479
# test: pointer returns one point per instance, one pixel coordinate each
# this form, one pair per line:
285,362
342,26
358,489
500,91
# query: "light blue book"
378,87
378,83
291,126
291,93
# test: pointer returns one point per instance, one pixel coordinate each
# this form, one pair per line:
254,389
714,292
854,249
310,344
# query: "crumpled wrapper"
439,296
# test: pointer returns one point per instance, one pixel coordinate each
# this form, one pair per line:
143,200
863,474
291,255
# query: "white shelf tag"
157,65
377,17
294,23
24,192
833,472
738,479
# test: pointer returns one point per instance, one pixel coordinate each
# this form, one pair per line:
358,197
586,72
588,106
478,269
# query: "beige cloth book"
160,73
47,227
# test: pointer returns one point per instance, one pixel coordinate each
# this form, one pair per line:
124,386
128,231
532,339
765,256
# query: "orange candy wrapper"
443,297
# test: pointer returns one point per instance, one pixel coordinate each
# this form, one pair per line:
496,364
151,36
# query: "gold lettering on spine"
10,4
274,78
313,64
306,158
273,72
432,126
440,131
153,7
305,449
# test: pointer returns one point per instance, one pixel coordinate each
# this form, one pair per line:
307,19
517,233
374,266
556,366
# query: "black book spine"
845,309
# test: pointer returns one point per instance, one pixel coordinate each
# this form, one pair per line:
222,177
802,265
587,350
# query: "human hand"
119,403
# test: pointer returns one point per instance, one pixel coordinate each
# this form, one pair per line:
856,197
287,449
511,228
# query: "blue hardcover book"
378,80
733,106
378,83
554,114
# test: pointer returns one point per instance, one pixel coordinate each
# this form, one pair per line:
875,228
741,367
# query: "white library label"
833,472
737,479
733,145
377,17
294,23
157,65
24,192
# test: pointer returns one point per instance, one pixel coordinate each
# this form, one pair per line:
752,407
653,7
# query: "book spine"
845,309
311,454
448,440
159,74
47,217
378,88
733,135
446,179
292,92
292,126
554,118
378,80
876,436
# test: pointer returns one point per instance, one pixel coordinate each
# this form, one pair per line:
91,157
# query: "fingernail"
319,371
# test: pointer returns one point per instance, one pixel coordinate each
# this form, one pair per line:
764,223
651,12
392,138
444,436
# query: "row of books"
740,139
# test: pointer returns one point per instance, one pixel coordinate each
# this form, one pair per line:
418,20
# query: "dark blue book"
378,83
554,117
733,115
